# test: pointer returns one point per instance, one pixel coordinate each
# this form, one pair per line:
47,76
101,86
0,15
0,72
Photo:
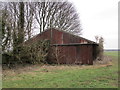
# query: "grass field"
64,76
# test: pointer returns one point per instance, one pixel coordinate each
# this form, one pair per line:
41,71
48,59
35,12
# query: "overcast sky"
99,17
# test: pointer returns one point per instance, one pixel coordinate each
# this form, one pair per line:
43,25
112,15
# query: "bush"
8,59
33,53
100,49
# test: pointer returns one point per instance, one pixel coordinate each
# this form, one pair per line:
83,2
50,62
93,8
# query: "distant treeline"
111,49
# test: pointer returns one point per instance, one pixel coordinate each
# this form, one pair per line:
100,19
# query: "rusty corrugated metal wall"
71,54
60,37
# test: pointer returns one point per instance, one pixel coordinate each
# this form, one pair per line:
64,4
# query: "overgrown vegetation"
35,52
100,48
55,55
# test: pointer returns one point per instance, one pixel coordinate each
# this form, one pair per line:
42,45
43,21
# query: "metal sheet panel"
81,54
56,37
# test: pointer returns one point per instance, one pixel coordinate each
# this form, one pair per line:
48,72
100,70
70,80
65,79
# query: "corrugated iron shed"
71,49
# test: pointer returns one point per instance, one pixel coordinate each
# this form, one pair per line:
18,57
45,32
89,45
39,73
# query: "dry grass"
47,68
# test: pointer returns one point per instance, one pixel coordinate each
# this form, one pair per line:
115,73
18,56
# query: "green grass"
66,76
112,53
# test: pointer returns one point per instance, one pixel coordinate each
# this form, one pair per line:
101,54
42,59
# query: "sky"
99,17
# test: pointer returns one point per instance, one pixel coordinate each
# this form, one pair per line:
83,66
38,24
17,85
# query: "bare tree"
55,54
97,38
21,23
17,23
60,15
100,48
6,29
29,18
